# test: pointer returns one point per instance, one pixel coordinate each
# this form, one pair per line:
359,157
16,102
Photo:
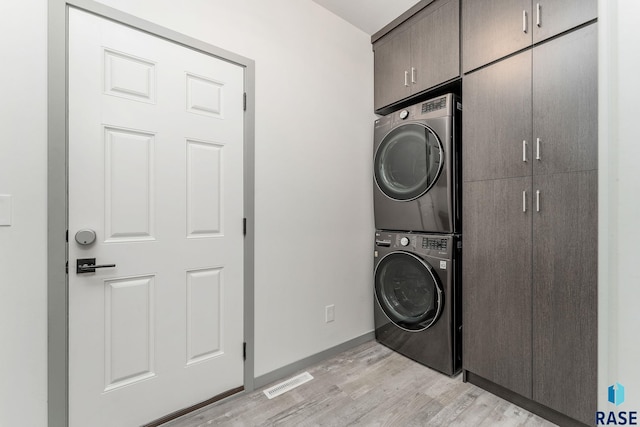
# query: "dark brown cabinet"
565,87
391,71
530,223
564,293
493,29
419,54
552,17
497,120
497,282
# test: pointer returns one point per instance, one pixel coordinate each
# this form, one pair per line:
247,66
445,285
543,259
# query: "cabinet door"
565,102
492,29
497,119
565,293
497,282
435,45
392,68
552,17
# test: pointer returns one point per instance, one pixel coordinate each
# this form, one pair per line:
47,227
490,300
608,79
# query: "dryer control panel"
437,244
436,104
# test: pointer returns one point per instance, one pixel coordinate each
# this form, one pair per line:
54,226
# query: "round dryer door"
408,161
408,291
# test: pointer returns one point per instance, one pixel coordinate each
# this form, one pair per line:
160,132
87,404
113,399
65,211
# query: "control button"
405,241
404,114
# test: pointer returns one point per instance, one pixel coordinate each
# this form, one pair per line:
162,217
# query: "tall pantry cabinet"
530,204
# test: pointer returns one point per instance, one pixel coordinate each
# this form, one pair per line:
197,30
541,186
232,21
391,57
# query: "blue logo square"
616,394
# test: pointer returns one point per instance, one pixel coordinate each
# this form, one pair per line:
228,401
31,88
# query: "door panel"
497,282
565,293
129,334
567,125
497,119
392,59
204,192
552,17
492,29
435,46
129,185
156,169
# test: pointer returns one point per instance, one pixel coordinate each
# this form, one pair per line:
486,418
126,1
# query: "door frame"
57,196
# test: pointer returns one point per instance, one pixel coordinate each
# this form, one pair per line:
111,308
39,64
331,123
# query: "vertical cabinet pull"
413,75
406,78
524,201
538,7
537,148
537,200
524,21
524,150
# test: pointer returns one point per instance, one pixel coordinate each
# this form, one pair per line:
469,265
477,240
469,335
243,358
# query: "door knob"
88,265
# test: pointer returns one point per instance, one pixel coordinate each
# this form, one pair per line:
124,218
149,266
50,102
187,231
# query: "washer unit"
417,167
417,303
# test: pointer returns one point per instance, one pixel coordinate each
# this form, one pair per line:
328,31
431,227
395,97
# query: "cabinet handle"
524,151
406,78
537,200
538,8
524,201
538,149
524,21
413,75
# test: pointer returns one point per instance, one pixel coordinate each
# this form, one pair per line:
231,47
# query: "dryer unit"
417,167
417,308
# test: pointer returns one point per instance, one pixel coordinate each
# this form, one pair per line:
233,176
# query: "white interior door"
156,170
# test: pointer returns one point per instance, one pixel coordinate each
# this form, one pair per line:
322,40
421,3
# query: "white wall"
23,169
619,205
314,122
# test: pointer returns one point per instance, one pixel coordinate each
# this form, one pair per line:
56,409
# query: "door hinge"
67,236
244,101
66,267
244,226
244,351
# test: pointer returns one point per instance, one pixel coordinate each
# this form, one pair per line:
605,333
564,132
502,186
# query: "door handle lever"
88,265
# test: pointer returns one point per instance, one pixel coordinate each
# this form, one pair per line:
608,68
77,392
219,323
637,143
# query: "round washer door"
408,162
408,291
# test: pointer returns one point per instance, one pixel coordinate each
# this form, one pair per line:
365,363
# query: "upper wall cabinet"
556,16
419,54
492,29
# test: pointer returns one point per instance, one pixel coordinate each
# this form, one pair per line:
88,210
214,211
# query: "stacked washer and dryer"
417,213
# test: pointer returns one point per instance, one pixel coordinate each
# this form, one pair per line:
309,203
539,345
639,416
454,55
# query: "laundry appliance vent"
287,385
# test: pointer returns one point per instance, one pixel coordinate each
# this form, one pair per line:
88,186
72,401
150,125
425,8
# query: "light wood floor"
368,385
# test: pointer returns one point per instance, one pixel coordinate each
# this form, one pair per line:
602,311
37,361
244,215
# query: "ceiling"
368,15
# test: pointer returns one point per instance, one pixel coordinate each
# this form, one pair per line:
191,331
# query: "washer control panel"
431,245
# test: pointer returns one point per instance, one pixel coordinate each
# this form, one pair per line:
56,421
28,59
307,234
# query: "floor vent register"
287,385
